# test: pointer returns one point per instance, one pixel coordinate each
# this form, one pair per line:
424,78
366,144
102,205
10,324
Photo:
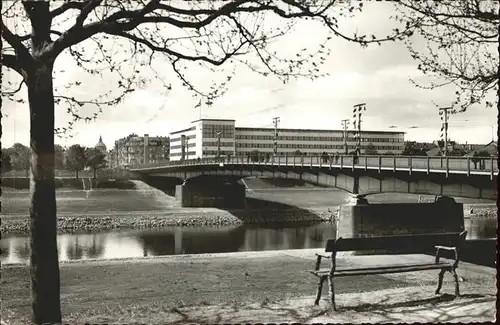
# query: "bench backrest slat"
410,243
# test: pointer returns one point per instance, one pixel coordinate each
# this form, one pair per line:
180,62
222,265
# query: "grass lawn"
100,200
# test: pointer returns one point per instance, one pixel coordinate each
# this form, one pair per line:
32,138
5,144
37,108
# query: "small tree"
457,152
95,159
58,157
254,155
76,159
479,157
21,157
412,150
324,156
6,162
370,149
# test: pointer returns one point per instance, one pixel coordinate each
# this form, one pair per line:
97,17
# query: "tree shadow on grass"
426,310
382,305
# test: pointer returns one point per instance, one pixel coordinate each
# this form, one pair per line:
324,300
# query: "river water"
181,240
178,240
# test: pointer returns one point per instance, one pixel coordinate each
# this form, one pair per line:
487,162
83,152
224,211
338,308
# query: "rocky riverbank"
76,223
480,211
198,217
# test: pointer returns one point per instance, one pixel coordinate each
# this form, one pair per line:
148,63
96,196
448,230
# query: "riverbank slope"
272,286
147,207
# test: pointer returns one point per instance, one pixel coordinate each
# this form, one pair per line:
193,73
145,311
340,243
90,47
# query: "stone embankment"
143,220
68,224
483,211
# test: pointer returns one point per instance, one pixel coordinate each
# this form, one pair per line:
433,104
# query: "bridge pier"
361,219
221,195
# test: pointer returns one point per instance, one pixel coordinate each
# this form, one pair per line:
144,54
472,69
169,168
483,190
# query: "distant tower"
102,147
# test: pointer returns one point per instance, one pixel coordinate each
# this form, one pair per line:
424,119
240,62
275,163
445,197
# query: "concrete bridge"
360,176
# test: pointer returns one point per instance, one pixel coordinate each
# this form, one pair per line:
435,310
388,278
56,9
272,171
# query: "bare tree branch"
78,33
68,5
12,62
126,20
18,89
177,54
28,36
15,41
460,36
41,22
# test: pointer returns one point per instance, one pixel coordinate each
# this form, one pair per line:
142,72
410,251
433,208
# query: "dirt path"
250,287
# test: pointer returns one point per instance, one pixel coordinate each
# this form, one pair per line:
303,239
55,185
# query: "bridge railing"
416,163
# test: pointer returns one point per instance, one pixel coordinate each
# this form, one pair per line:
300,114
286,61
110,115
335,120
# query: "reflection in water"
177,240
170,241
74,250
96,249
481,228
4,251
22,249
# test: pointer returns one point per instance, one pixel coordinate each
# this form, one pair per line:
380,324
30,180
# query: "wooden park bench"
404,244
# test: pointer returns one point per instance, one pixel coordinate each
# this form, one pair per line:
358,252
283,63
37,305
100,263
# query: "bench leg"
332,291
440,280
455,277
320,288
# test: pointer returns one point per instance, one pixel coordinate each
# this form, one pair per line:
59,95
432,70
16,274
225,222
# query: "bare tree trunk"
95,173
77,174
44,264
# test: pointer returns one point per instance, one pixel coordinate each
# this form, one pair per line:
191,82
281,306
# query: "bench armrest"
447,248
318,261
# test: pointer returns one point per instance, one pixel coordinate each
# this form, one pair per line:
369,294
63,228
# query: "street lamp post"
444,111
276,120
218,143
357,109
345,122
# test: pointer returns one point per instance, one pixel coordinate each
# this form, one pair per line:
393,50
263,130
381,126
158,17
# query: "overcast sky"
377,76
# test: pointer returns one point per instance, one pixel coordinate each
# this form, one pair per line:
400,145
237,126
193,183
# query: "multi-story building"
112,158
205,138
134,149
213,137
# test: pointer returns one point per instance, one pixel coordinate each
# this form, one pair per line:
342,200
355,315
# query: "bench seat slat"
384,269
384,266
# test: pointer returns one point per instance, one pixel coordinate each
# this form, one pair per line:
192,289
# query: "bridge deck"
448,165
